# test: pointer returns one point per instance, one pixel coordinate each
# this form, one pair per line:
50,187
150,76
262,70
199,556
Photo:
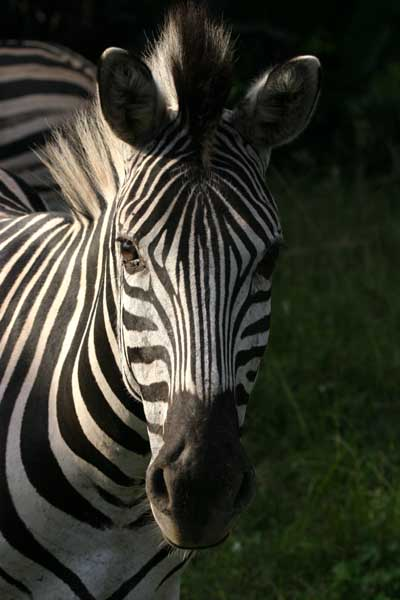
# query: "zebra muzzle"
201,480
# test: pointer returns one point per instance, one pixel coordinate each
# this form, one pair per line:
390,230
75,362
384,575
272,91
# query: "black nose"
197,485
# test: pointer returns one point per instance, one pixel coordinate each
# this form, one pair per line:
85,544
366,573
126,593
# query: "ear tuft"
130,100
279,106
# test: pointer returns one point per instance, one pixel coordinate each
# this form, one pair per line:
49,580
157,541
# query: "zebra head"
197,237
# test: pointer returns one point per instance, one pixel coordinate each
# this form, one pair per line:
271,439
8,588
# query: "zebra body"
16,196
105,538
40,84
132,327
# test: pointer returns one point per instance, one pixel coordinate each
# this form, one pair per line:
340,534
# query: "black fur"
201,65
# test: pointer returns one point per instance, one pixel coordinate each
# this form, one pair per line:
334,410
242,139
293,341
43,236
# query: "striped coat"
40,85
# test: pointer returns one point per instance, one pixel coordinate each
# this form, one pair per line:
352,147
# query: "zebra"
40,84
132,326
16,197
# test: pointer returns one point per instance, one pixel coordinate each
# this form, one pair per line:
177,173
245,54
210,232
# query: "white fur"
82,157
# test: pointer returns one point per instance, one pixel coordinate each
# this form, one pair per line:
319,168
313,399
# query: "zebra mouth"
191,543
221,541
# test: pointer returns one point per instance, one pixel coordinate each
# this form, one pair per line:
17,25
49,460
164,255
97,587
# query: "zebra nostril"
158,486
245,492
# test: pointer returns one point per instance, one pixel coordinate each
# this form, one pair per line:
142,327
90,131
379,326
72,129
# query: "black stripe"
156,429
24,144
144,519
242,397
136,323
245,356
155,392
148,354
260,326
60,53
252,375
174,570
18,88
18,58
73,434
129,585
41,465
33,199
20,586
261,296
111,499
11,525
101,411
6,191
43,469
16,148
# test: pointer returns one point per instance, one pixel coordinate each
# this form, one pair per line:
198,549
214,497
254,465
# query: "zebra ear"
130,100
279,106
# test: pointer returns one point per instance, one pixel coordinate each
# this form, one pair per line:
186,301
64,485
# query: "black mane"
193,61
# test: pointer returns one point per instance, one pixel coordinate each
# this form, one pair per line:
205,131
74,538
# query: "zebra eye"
130,256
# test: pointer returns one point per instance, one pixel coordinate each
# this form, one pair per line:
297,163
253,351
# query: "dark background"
356,128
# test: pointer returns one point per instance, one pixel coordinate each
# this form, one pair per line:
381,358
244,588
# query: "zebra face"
196,255
197,236
197,251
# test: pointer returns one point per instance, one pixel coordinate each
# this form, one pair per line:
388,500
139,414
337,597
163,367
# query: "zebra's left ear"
279,106
130,100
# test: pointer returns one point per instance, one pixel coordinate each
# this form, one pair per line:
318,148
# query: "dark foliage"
357,127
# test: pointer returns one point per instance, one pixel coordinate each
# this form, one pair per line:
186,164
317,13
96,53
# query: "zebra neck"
96,417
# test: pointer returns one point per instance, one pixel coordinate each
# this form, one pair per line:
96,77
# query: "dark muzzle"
201,478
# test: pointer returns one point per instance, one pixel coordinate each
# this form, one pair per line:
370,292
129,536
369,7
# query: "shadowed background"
324,423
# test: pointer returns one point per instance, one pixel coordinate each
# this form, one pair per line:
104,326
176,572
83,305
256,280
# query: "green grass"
323,426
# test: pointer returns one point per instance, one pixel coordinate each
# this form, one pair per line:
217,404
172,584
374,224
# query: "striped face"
198,236
196,253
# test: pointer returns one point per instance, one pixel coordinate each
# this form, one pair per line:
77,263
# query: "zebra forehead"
209,212
168,190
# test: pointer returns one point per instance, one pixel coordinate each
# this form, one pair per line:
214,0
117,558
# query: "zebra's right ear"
130,100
